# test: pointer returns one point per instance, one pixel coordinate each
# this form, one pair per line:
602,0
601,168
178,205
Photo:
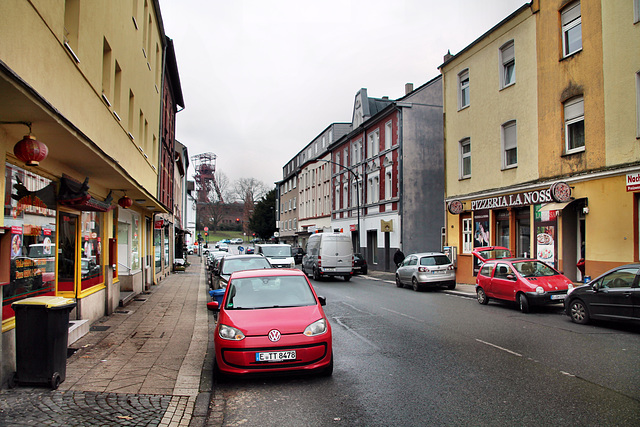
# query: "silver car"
426,269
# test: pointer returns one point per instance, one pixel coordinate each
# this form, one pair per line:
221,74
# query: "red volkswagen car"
271,320
525,281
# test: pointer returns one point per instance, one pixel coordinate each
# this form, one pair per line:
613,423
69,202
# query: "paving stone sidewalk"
142,366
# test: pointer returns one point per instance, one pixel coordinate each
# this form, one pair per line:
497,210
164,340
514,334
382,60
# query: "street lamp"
355,176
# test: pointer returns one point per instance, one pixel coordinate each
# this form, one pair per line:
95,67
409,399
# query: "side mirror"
213,306
323,300
511,277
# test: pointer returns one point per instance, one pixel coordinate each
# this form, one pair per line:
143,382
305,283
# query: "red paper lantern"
125,202
30,151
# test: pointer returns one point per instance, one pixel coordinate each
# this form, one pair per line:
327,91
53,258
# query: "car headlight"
228,333
292,265
570,288
539,290
316,328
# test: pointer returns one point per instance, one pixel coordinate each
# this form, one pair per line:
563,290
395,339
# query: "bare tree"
248,190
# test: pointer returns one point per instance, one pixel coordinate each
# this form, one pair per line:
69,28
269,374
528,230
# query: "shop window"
463,90
574,125
91,260
31,228
523,224
507,64
571,29
502,228
157,236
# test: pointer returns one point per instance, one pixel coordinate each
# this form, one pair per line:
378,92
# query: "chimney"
448,56
386,98
408,88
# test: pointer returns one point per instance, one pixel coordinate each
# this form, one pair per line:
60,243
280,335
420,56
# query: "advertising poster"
546,230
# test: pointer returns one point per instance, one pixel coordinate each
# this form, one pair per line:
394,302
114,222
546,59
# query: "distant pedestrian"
398,257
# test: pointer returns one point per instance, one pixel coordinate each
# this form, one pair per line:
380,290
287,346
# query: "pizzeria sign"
559,192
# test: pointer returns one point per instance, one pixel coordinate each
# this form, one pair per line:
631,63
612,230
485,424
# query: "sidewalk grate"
98,328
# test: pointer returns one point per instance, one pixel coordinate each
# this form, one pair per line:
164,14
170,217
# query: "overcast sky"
262,78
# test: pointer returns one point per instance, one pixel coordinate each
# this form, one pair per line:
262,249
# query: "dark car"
298,253
615,295
232,263
359,264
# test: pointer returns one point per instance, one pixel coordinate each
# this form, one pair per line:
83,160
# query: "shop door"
67,261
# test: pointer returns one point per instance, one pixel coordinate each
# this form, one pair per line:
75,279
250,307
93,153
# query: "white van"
328,254
278,254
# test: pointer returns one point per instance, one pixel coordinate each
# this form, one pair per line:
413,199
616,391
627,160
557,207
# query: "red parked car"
525,281
271,320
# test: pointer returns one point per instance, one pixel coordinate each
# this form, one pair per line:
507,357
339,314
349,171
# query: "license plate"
276,356
557,297
439,271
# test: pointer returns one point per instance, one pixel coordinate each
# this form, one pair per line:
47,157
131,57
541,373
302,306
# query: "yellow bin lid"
48,301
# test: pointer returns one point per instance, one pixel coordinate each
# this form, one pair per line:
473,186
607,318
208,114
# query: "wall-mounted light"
29,150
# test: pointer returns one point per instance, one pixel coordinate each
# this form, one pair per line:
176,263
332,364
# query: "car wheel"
398,282
482,297
451,286
578,312
364,271
415,285
316,276
346,278
328,371
523,302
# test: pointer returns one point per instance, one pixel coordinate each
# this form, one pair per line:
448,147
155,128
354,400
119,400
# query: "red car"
271,320
525,281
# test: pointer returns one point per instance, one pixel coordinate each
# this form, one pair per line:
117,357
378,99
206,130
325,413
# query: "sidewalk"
464,290
146,364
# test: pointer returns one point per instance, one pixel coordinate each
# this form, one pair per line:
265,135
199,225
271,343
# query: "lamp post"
355,176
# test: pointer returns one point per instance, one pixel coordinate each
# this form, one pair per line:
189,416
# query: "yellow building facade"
84,78
569,194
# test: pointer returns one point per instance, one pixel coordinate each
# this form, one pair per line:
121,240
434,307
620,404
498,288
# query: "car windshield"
269,292
534,269
435,260
239,264
276,251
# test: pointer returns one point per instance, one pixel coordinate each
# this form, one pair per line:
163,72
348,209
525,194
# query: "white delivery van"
328,254
278,254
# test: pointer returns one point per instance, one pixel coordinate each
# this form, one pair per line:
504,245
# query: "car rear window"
269,292
435,260
239,264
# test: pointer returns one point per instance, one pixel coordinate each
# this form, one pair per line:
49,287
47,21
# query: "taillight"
422,269
450,267
353,261
319,261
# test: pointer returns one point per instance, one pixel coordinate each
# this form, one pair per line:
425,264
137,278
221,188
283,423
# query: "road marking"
363,339
403,315
500,348
354,308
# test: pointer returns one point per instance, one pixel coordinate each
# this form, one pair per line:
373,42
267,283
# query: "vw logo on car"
274,335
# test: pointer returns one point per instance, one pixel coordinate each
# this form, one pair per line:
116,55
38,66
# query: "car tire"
523,303
328,371
316,276
578,312
451,286
346,278
482,297
398,282
415,285
364,271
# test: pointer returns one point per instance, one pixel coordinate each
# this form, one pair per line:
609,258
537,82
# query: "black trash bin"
42,334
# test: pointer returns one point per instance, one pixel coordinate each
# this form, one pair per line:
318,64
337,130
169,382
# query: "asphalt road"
430,358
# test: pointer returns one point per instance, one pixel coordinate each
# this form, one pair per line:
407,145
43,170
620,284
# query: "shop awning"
554,206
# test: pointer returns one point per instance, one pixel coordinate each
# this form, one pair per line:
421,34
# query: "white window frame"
345,195
467,235
638,99
507,62
388,140
636,11
571,19
509,139
373,192
573,114
387,183
463,156
373,143
464,88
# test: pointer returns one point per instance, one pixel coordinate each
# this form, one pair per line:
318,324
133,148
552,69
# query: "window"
345,196
387,136
638,103
509,145
387,184
373,192
636,11
467,236
508,65
374,144
574,125
571,29
465,158
463,89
